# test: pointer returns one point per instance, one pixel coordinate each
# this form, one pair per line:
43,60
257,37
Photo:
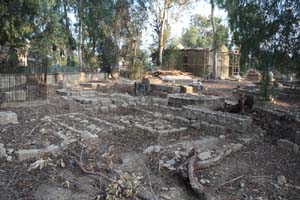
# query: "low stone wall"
65,92
282,124
53,79
171,89
179,100
217,121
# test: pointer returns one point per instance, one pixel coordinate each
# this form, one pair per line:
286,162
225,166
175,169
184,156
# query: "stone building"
198,61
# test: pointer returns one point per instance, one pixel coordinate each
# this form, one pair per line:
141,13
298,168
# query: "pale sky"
202,8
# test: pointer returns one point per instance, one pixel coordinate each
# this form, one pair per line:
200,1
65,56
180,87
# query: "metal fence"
23,87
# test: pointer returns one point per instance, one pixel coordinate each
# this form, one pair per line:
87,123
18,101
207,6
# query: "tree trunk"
80,36
214,40
69,44
161,33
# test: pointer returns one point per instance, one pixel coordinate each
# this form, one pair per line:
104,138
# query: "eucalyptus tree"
267,32
160,9
199,33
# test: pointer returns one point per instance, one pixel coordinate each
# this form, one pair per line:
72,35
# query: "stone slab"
8,118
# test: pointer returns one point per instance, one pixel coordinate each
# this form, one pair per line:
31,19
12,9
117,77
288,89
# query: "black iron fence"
23,87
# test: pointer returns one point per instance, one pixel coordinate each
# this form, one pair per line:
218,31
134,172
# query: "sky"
202,7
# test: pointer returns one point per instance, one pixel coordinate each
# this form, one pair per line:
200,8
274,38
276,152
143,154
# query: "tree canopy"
92,33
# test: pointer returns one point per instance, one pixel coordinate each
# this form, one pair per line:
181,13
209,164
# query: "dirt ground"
260,171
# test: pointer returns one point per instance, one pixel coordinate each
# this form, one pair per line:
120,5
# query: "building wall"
199,62
194,61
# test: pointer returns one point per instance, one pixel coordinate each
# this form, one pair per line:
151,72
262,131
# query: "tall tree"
215,46
267,32
199,33
161,9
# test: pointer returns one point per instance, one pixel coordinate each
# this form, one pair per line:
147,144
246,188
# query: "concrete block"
8,117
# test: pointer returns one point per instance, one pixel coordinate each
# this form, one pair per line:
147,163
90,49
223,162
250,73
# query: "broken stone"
242,185
92,127
196,125
43,131
2,151
8,117
169,116
286,144
296,148
171,162
204,155
281,180
113,107
10,151
26,154
204,126
157,114
222,136
204,181
125,105
9,158
153,149
53,148
104,109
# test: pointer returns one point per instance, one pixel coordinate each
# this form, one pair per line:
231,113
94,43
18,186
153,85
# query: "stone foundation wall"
212,102
217,121
280,124
171,89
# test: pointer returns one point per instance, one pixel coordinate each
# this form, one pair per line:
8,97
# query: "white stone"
157,114
8,117
26,154
113,107
53,148
242,185
222,136
10,151
2,151
43,131
104,109
153,149
9,158
281,180
204,155
171,162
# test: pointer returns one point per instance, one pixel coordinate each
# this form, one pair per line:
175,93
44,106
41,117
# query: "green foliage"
267,32
170,55
199,33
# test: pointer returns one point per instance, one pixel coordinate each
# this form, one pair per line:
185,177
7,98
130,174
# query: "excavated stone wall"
217,121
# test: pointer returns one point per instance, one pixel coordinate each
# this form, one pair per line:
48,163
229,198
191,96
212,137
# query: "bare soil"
257,166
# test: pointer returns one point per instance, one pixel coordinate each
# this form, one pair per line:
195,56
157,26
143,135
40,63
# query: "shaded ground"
257,166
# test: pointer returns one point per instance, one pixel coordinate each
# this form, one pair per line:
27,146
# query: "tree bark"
161,41
213,23
80,36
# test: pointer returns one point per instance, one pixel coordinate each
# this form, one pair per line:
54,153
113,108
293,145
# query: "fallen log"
217,159
187,170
